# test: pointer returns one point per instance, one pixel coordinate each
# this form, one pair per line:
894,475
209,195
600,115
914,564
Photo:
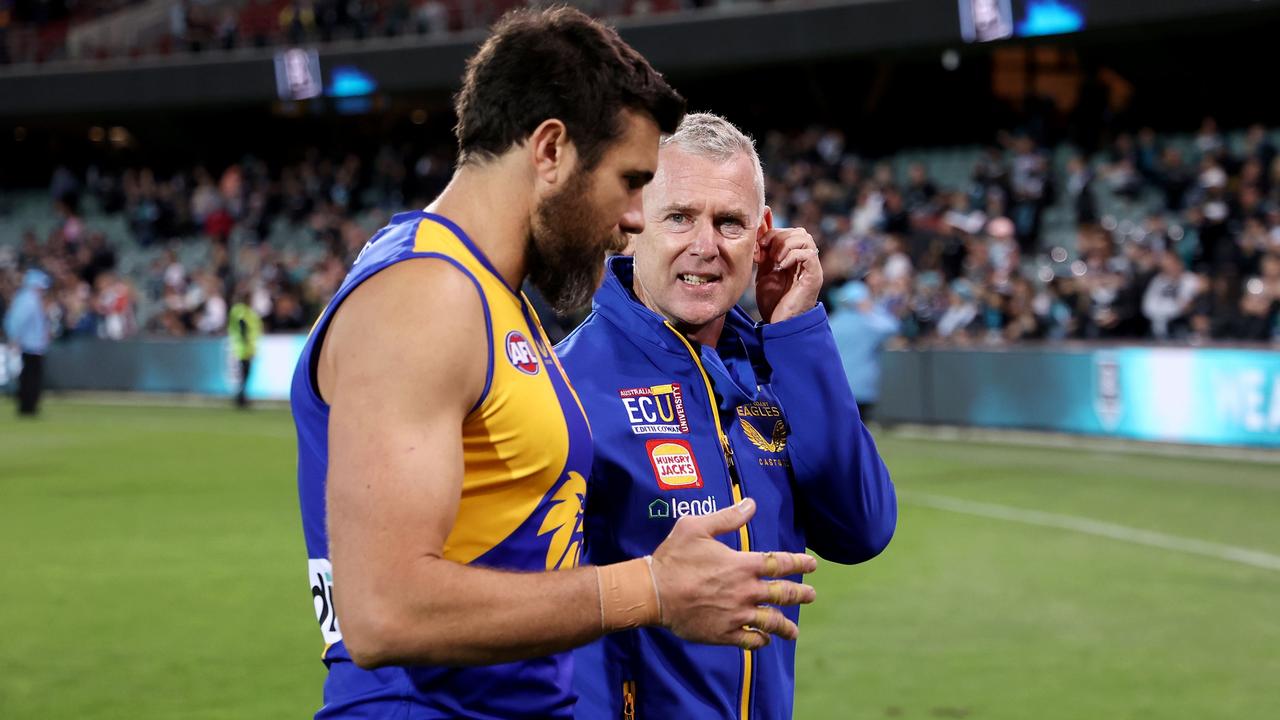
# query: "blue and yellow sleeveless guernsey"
527,451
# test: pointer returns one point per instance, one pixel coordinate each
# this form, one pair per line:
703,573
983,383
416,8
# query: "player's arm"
403,363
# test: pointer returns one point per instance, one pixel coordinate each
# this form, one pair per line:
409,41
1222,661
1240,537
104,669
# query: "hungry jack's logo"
673,464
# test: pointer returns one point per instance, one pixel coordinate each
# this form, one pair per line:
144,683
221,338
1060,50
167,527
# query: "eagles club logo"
563,523
520,353
777,441
775,444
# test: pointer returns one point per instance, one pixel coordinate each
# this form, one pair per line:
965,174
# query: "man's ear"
552,153
766,224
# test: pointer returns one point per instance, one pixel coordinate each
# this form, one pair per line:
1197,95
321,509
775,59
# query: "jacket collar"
616,302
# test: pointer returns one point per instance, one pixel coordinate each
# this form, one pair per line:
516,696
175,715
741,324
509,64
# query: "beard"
566,250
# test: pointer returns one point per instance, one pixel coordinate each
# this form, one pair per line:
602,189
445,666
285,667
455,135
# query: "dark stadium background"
871,68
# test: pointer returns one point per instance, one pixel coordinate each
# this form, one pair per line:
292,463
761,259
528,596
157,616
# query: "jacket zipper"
628,700
735,486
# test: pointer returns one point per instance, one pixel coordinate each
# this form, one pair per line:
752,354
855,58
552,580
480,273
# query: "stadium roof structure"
698,41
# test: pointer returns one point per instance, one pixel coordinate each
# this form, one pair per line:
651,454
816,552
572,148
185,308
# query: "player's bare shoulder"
418,324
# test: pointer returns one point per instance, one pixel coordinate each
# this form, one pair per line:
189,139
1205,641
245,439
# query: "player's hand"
788,274
711,593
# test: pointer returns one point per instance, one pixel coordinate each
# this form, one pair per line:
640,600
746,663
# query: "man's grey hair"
711,136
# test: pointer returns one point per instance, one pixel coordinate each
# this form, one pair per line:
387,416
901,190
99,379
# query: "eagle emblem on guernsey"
564,523
775,445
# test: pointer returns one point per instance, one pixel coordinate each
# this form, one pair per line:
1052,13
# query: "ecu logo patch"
775,444
655,409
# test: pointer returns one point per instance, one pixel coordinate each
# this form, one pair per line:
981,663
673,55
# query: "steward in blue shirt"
860,328
694,406
27,328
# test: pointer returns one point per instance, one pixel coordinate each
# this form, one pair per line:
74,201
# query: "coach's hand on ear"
711,593
788,273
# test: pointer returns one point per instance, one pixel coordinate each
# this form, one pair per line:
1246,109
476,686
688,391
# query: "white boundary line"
1090,443
1231,553
148,399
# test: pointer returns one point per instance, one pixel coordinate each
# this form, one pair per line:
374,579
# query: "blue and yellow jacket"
686,430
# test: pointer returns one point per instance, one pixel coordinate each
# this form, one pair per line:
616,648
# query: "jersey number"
322,597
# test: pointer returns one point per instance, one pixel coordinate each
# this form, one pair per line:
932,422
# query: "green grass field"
151,566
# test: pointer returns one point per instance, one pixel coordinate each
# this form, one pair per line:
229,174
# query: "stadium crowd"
958,265
52,30
334,205
969,264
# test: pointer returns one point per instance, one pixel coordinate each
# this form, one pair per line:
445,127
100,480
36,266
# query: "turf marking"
1231,553
1094,444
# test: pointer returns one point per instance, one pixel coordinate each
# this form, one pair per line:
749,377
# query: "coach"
693,405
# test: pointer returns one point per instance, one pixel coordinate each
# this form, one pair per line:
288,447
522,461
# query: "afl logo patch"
521,353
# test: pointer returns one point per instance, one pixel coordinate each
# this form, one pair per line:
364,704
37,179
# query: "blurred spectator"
1029,182
1141,266
1175,180
1168,300
287,314
96,257
226,32
1123,173
113,302
1080,188
211,317
961,314
178,13
205,199
1024,321
297,21
70,224
431,18
1258,146
921,191
1147,155
64,187
1209,141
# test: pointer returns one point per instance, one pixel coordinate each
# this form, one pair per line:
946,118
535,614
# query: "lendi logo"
673,508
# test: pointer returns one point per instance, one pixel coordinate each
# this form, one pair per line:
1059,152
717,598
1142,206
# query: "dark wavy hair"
556,63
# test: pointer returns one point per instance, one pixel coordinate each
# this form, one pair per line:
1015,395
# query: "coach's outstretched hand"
711,593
